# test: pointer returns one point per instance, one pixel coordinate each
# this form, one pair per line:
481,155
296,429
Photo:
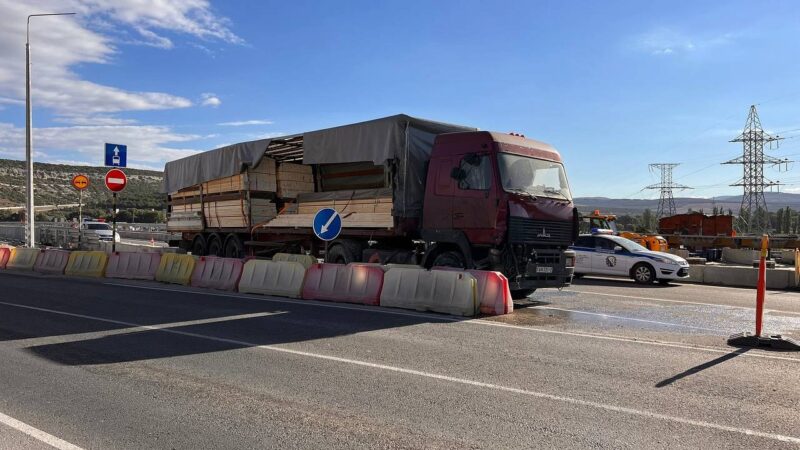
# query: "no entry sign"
116,180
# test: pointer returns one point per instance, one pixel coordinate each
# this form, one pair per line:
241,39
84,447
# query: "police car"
605,254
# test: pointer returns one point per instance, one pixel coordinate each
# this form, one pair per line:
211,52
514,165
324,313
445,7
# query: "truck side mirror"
458,174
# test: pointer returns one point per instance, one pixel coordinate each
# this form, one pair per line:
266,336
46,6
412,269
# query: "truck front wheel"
450,258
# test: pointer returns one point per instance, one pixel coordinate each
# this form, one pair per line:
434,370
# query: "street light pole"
30,214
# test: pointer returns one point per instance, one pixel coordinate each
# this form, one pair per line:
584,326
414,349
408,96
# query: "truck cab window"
477,172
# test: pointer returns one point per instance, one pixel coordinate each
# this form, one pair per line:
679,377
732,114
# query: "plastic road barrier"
133,265
352,283
494,294
438,290
5,253
282,278
217,273
51,261
175,269
306,260
86,264
22,258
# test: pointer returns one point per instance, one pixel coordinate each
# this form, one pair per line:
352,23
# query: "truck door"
438,208
475,197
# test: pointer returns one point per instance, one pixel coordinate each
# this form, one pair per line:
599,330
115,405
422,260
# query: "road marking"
451,379
37,434
612,316
636,297
631,340
63,339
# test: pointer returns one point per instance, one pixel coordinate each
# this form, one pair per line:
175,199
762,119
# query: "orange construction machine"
598,221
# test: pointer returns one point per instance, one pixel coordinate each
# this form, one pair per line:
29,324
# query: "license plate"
544,269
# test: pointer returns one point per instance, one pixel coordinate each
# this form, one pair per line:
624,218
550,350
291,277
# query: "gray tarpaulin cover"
402,138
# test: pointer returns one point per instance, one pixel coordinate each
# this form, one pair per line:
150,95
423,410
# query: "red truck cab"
500,202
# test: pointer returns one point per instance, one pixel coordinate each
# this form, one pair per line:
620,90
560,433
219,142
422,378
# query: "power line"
666,202
753,209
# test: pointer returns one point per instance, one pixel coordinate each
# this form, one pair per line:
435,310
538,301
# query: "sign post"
327,225
80,182
115,182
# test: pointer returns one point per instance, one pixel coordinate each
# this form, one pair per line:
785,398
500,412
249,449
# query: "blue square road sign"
116,155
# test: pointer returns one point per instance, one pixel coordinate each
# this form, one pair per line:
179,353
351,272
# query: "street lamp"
30,229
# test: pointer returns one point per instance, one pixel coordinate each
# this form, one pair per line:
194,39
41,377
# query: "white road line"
631,340
63,339
464,381
37,434
636,297
612,316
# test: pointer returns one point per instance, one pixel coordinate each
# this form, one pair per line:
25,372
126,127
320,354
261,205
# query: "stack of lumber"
259,179
234,214
294,179
380,205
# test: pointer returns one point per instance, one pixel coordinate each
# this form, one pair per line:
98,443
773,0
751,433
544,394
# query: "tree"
648,220
787,220
779,227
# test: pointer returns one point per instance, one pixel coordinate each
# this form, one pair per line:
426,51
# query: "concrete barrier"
51,261
86,264
217,273
306,260
784,256
281,278
683,253
494,294
5,253
739,256
352,283
133,265
22,258
696,274
175,269
747,276
436,290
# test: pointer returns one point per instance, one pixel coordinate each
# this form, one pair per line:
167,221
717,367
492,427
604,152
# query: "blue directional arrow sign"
116,155
327,224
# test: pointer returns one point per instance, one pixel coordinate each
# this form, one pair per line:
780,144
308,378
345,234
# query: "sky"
613,85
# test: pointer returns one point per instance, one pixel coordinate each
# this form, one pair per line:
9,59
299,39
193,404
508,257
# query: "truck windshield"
537,177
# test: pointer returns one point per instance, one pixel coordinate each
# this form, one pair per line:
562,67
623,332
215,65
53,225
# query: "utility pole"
753,212
30,213
666,203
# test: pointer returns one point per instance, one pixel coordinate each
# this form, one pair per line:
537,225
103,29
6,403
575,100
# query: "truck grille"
523,230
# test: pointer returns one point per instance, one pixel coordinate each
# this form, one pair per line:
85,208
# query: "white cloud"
244,123
210,99
667,41
60,43
148,145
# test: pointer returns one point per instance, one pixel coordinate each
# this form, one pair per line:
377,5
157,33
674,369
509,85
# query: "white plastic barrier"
306,260
438,290
281,278
133,265
51,261
217,273
494,295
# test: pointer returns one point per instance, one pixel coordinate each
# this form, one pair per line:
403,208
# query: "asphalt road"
102,364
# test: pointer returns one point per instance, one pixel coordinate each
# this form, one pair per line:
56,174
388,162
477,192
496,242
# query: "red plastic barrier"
494,294
51,261
133,265
5,253
217,273
339,283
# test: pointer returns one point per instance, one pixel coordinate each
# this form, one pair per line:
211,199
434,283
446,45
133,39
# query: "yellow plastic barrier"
175,269
22,258
306,260
86,264
283,278
437,290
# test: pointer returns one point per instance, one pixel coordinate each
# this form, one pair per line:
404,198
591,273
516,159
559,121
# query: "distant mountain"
52,186
775,200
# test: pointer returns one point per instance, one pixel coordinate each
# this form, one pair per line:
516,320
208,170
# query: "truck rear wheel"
199,245
215,245
234,248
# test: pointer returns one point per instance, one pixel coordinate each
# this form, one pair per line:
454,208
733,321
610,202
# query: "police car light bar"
602,231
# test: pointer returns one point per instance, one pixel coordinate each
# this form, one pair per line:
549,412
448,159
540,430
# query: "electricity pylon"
666,204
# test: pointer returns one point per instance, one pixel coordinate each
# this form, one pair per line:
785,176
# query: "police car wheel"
643,274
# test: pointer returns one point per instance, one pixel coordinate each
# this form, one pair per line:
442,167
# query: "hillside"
775,200
52,186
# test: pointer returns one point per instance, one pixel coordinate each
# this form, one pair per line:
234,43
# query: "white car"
103,231
603,254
